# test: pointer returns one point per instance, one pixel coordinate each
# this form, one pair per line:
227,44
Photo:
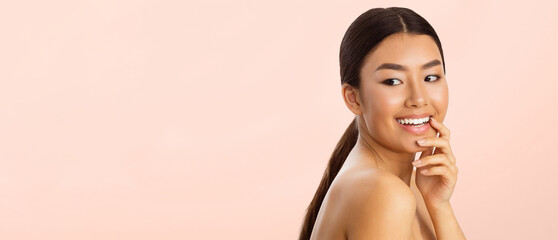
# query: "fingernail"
416,163
421,141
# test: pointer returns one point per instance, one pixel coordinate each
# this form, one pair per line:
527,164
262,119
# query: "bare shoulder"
380,206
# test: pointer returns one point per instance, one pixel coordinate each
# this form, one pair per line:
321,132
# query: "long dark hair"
369,29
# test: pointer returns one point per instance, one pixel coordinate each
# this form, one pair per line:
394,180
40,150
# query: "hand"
437,184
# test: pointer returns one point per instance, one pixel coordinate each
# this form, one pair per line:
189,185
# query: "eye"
434,77
391,80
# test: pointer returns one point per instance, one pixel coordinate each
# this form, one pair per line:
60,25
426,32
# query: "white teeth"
414,121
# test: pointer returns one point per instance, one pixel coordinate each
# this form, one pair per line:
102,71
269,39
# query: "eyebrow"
398,67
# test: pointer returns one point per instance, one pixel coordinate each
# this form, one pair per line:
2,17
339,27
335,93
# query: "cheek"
387,103
381,110
439,98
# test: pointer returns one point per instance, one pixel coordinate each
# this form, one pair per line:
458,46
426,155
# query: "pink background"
215,119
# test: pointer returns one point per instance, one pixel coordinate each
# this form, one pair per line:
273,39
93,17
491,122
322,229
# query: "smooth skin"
377,194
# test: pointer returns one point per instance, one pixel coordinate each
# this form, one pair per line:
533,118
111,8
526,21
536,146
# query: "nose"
418,96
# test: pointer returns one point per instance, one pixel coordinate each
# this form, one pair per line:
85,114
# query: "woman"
393,80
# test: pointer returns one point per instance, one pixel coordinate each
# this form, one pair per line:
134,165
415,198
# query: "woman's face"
403,76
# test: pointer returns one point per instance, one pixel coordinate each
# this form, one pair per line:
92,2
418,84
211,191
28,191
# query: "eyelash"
385,82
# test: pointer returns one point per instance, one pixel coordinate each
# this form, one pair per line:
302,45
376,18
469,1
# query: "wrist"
436,207
445,223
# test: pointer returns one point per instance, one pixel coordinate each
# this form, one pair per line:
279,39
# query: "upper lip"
415,116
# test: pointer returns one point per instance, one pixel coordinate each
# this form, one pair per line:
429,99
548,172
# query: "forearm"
445,223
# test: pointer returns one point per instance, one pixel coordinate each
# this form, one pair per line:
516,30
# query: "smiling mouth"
416,126
415,122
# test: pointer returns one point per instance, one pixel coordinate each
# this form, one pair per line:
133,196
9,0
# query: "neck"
395,162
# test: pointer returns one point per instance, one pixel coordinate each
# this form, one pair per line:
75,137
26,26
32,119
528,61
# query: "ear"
352,98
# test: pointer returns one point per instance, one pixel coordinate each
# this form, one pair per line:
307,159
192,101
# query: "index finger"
443,130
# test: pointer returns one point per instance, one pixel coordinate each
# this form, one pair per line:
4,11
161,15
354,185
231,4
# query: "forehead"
405,49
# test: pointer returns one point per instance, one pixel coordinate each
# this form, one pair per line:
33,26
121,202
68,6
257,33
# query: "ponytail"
338,157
